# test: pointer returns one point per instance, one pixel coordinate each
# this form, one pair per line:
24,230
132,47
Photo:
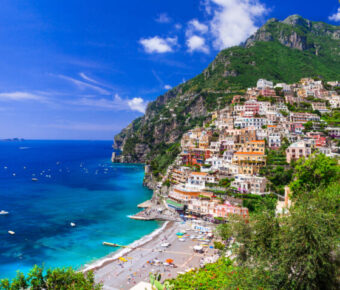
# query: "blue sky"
84,69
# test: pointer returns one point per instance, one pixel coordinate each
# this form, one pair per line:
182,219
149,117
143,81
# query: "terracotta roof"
199,173
196,193
258,141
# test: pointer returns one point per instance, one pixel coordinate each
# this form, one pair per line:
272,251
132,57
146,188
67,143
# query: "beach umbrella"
179,234
170,261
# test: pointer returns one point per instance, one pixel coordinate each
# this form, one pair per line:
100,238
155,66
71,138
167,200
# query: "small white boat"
11,232
72,224
14,174
3,212
34,179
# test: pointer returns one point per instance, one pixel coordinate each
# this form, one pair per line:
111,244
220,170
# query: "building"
274,140
321,107
298,149
256,122
249,162
227,209
252,106
334,132
303,117
202,206
255,146
180,175
197,180
245,183
262,84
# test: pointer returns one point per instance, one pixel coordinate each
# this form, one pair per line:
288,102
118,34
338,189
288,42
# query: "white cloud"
87,78
83,85
138,104
197,43
163,18
178,26
167,87
117,103
195,26
336,16
158,45
194,41
22,96
234,20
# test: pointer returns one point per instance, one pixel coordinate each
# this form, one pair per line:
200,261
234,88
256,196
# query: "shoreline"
102,262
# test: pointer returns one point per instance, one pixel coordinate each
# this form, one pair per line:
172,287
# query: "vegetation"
332,118
65,278
160,163
220,275
318,171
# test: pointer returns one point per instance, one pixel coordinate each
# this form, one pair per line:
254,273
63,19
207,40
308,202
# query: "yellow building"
255,146
249,162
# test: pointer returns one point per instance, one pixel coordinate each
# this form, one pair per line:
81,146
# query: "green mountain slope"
282,51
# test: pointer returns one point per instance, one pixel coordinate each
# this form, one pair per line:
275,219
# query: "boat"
3,212
34,179
72,224
11,232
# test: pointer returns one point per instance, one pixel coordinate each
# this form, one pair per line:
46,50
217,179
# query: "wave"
147,238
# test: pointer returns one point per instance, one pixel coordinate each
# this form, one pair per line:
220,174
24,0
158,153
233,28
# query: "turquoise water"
76,183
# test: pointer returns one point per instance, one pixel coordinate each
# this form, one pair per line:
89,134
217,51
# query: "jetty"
113,245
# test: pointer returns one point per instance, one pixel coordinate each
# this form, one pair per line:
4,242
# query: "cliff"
282,51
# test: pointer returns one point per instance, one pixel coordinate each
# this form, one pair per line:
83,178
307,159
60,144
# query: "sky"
85,69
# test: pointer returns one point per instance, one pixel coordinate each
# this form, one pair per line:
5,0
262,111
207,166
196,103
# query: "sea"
76,183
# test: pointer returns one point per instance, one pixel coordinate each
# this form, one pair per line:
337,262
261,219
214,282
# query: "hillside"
282,51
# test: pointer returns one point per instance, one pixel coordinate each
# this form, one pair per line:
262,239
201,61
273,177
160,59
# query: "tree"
307,239
66,278
316,171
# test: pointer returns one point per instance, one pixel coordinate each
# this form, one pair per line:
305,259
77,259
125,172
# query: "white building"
274,140
249,184
285,87
249,122
197,180
262,84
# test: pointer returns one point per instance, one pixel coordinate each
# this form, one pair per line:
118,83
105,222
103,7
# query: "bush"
65,278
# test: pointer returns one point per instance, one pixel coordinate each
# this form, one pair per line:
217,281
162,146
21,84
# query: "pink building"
252,106
320,141
267,92
227,209
297,150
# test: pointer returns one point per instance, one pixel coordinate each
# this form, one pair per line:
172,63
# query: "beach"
125,268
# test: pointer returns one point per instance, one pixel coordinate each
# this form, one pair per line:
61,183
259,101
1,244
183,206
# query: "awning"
174,204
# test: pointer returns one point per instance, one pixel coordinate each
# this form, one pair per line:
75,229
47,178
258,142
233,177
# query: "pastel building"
297,150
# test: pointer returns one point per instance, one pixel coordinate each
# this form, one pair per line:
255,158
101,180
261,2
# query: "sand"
115,274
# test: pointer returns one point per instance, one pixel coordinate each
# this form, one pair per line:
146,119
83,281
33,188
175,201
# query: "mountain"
281,51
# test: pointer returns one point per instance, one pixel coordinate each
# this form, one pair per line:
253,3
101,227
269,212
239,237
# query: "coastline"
101,262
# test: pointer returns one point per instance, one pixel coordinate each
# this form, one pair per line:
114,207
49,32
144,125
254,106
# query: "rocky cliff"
282,51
